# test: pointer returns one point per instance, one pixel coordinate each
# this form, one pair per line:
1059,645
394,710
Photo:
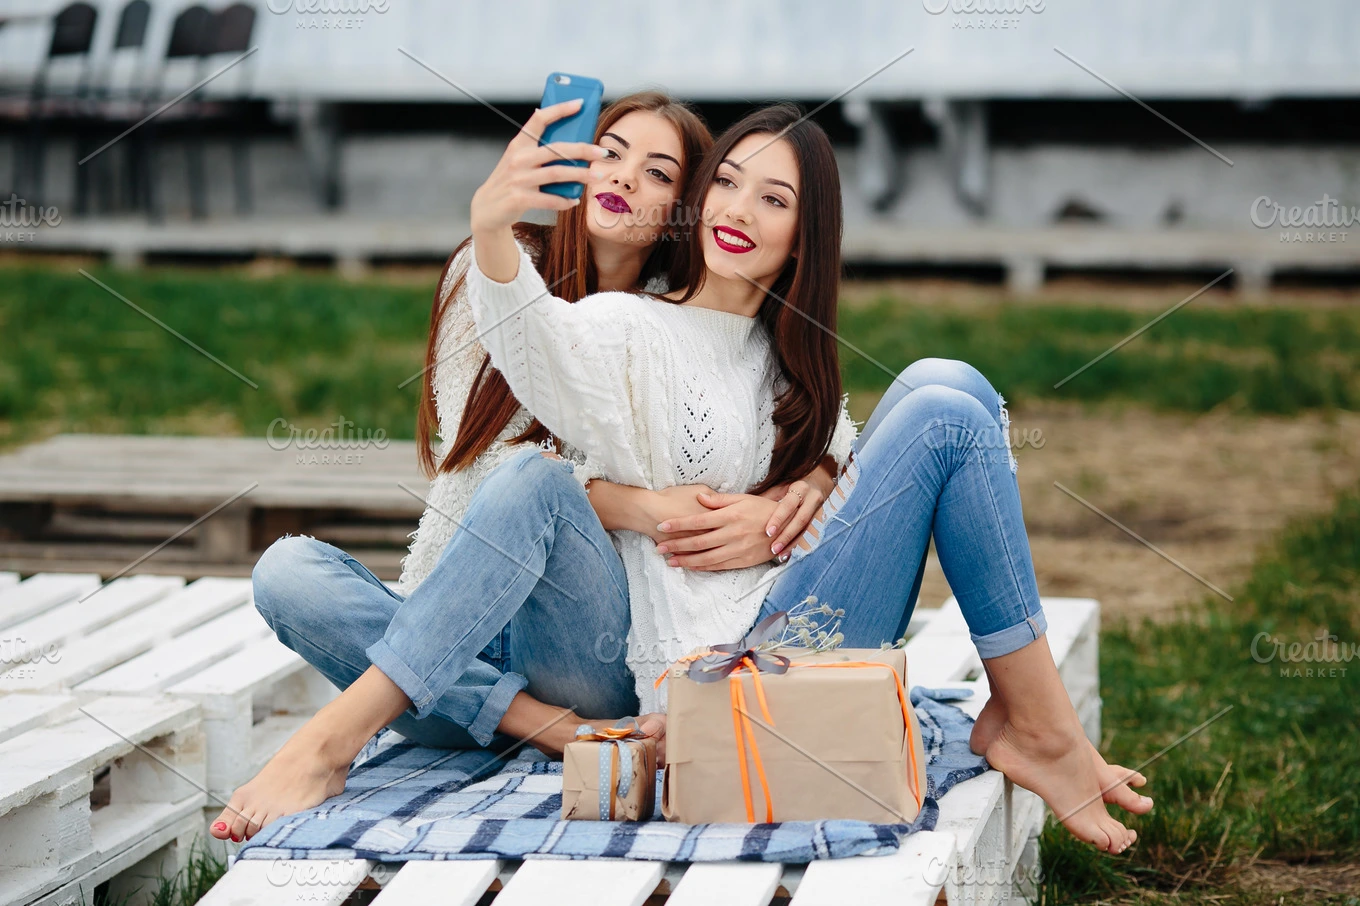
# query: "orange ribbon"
741,721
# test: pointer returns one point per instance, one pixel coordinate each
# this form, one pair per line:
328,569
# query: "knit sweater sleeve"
568,363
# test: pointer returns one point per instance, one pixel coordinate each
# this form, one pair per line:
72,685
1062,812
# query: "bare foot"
299,777
987,725
1056,764
1115,780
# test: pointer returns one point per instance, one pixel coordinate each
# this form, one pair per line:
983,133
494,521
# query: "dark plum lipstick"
613,203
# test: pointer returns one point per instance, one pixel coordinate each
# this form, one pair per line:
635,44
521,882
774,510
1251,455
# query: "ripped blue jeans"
934,460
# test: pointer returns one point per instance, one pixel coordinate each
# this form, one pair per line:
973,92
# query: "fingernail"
776,548
784,558
221,825
663,527
769,532
663,549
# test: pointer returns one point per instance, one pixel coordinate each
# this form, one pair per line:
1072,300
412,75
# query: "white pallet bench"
983,851
57,844
202,645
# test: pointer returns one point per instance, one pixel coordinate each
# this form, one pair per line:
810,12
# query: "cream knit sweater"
658,395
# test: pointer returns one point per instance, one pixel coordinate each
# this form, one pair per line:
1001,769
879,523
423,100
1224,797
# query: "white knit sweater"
459,355
658,395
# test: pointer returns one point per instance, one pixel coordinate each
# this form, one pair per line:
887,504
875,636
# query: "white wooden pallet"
202,645
58,838
983,851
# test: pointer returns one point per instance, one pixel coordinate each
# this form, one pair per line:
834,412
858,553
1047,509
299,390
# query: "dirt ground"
1207,490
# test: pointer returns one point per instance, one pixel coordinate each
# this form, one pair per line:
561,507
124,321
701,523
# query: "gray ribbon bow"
725,658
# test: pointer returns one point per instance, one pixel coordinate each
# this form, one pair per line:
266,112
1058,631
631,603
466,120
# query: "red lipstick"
736,234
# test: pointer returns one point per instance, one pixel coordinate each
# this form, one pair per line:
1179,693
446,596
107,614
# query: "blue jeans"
933,459
530,593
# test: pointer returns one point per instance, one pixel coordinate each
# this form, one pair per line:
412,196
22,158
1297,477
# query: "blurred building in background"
1010,138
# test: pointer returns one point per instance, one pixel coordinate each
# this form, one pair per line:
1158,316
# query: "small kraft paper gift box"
609,775
791,734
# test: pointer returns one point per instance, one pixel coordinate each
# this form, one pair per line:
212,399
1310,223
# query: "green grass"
1277,779
75,358
1261,360
201,871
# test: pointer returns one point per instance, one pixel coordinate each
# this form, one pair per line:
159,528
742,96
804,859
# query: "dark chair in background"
202,44
59,86
235,25
118,90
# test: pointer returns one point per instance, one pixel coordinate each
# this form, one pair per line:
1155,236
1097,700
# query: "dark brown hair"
563,258
800,305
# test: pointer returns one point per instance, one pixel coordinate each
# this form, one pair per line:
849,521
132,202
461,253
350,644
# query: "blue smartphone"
579,127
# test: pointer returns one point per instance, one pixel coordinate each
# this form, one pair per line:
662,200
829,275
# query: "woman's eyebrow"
778,182
618,138
663,157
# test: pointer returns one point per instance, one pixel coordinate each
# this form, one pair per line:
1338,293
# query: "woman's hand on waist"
739,530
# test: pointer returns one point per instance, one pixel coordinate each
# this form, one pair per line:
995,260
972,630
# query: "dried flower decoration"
812,625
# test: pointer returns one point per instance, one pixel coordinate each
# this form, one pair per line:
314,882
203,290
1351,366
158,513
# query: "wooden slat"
259,664
89,612
729,883
456,882
181,657
41,592
21,713
43,759
594,882
288,882
188,471
912,876
100,650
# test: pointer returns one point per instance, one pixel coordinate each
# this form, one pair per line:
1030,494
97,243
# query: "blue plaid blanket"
405,801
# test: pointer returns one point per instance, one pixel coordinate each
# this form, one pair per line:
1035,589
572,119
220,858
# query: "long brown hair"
563,258
800,305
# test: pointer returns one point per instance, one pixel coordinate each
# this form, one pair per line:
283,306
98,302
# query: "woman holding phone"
325,605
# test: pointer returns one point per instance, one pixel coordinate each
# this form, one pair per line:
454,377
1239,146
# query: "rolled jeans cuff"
1012,638
492,712
423,700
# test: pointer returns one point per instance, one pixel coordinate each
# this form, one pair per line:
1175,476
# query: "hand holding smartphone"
579,127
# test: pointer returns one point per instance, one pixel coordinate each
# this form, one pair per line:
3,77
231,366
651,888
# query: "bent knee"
531,470
286,568
954,373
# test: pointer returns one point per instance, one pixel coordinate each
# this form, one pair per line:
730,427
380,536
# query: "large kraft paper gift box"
842,741
609,775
